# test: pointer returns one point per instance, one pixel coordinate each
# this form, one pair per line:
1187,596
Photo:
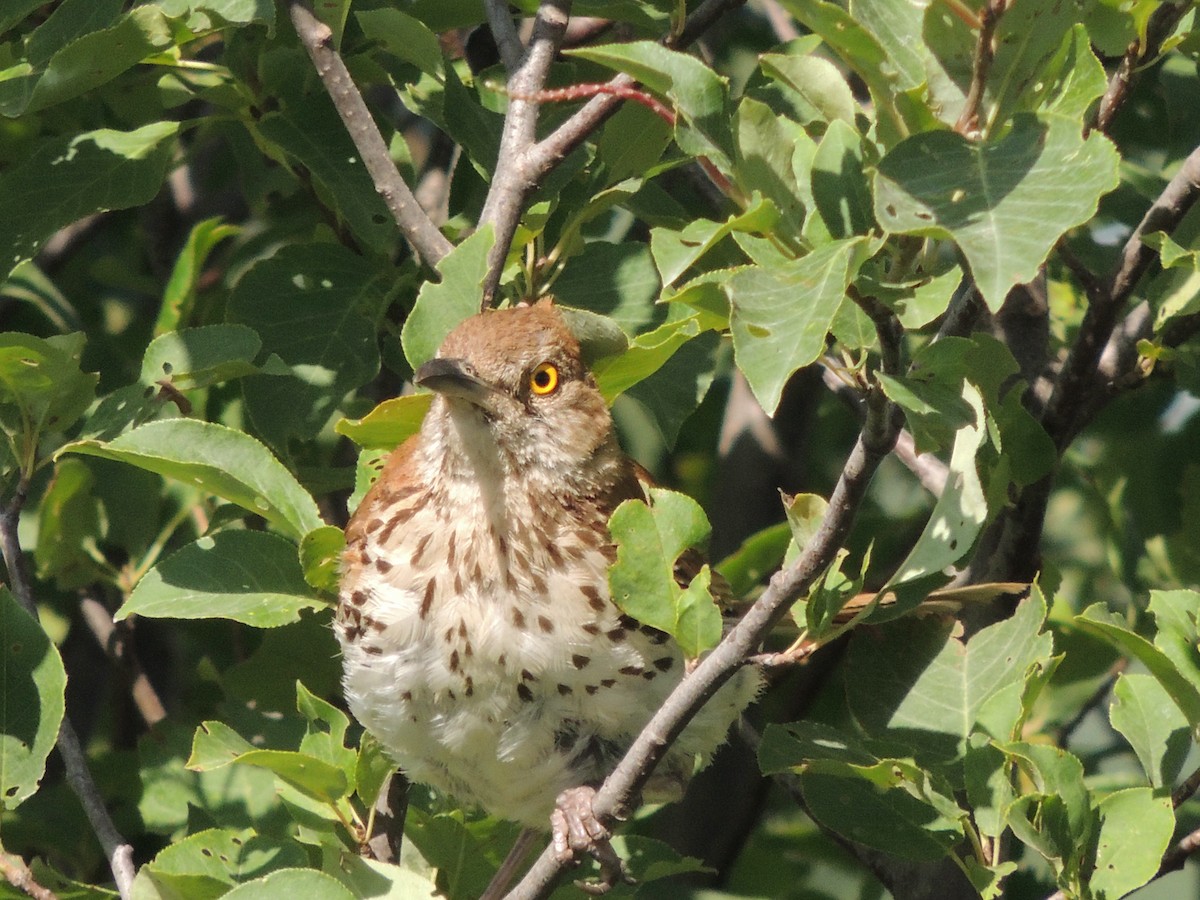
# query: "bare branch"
985,50
873,444
504,31
427,242
18,875
1062,417
118,649
1159,27
118,852
515,176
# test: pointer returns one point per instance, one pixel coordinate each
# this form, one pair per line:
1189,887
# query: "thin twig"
873,444
1186,790
427,242
504,32
514,177
1158,28
116,849
985,51
1176,856
521,173
1061,418
118,649
18,875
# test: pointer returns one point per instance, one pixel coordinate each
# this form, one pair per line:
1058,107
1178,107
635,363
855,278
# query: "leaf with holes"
1005,203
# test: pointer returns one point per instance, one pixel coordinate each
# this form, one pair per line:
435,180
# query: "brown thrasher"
480,643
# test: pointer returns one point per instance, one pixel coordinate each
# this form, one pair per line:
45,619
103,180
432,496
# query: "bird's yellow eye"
544,379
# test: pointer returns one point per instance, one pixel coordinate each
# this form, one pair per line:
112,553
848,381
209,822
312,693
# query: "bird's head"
512,384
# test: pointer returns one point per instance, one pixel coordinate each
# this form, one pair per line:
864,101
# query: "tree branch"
515,176
18,875
985,51
873,444
1062,419
504,32
114,642
1159,27
422,235
119,853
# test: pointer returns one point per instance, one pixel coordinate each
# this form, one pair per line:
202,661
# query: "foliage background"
930,212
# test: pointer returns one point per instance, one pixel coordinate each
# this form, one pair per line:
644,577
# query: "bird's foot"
578,832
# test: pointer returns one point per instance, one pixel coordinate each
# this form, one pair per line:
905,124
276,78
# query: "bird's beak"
455,378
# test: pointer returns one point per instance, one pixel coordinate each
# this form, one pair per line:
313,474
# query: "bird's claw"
578,832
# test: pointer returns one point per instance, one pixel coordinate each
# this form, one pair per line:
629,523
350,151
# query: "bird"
480,643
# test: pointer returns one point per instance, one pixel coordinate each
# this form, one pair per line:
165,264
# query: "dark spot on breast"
422,545
616,635
457,582
649,675
503,660
470,686
462,628
427,599
451,694
501,545
358,598
375,524
565,689
376,625
565,739
591,628
524,692
450,550
595,601
383,566
591,688
393,522
406,696
454,661
545,624
468,650
628,622
664,663
630,670
372,649
608,682
579,660
518,618
539,582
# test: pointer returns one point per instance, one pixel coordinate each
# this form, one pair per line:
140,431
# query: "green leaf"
1135,831
790,746
615,280
63,180
248,576
316,307
820,92
222,856
766,144
69,20
379,881
179,296
41,389
959,514
91,60
647,354
32,689
1057,819
781,316
1097,620
320,557
217,745
757,557
886,818
219,460
935,411
198,357
926,687
839,185
403,36
1076,78
1175,613
650,538
677,251
670,394
372,768
206,15
441,305
1005,203
699,94
1142,711
988,784
389,424
292,883
310,132
69,526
